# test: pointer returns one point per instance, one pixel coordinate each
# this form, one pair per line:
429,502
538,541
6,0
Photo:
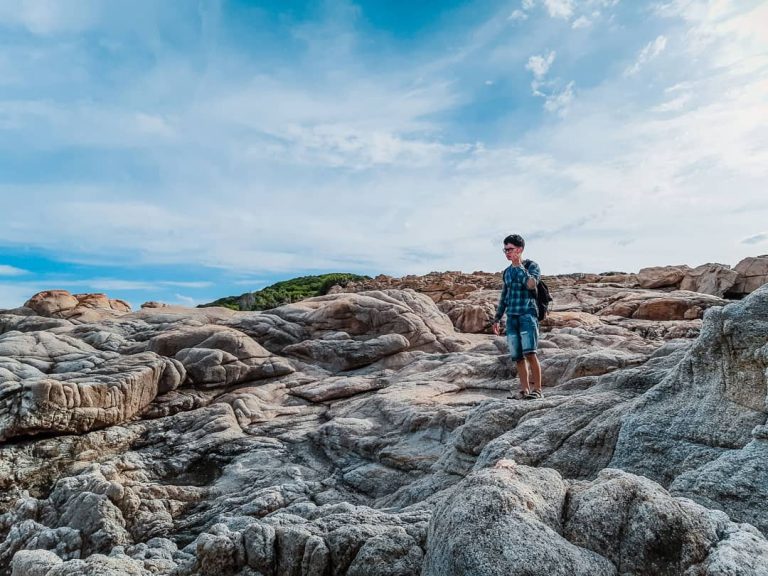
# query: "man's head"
515,240
513,246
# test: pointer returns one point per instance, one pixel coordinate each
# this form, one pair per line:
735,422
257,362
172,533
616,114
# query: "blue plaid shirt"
516,299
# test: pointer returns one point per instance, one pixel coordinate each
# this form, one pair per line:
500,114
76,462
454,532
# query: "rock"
503,521
662,276
753,273
387,448
33,562
59,384
714,279
473,314
676,430
218,356
648,305
83,307
154,304
363,316
339,355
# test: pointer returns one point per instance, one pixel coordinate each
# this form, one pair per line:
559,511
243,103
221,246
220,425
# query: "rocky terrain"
368,432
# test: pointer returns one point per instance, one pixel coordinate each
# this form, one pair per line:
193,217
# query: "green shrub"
286,292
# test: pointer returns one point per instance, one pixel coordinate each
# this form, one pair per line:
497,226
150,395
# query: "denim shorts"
522,335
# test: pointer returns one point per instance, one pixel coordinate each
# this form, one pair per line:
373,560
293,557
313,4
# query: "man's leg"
522,372
516,354
533,360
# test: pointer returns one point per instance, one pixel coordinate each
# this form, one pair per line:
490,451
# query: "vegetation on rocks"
286,292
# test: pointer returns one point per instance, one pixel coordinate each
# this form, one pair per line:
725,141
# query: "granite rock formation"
359,433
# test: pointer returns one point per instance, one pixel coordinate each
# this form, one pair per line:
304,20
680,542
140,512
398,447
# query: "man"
518,299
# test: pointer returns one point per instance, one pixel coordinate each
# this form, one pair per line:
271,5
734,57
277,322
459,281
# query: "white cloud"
581,22
46,17
648,53
560,8
187,301
756,239
518,15
559,102
6,270
539,65
528,4
674,105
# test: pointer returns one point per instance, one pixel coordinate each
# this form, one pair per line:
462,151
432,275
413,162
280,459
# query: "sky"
183,151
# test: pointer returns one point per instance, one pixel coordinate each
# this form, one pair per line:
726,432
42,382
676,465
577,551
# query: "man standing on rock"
518,299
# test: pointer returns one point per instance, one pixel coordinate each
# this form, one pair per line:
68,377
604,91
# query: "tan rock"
714,279
753,273
662,276
52,303
572,320
82,307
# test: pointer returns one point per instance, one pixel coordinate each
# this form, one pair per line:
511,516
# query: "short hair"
515,240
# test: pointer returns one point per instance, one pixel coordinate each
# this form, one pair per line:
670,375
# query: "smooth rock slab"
53,383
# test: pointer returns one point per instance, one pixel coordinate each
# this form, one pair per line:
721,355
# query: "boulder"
662,276
753,273
55,383
82,307
676,435
714,279
218,355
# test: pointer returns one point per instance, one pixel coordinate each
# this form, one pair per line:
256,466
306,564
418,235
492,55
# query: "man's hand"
496,328
531,283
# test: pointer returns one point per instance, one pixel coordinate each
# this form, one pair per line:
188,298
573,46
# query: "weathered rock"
338,466
677,429
662,276
84,307
218,356
506,520
473,314
345,354
714,279
753,273
58,384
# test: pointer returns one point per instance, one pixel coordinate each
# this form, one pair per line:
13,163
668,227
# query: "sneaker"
534,395
519,395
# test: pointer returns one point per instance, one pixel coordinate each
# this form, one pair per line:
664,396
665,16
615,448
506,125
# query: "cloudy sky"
182,151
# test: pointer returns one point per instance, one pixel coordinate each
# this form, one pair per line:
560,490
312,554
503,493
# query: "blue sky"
182,151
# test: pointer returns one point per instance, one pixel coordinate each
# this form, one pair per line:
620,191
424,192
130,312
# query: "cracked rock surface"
360,433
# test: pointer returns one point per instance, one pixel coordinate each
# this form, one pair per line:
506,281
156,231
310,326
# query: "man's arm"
534,275
502,306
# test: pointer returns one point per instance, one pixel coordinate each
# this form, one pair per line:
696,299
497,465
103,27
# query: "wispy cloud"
560,8
648,53
756,239
6,270
539,65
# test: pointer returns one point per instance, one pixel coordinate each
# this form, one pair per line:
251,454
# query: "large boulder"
362,316
82,307
340,352
473,314
513,519
662,276
704,420
218,355
55,383
714,279
753,273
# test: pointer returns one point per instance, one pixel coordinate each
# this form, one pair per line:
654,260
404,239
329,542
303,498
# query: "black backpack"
542,295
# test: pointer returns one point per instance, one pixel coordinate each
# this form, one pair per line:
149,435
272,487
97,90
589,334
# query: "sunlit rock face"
369,432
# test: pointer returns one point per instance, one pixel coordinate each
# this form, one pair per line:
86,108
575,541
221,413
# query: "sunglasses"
508,250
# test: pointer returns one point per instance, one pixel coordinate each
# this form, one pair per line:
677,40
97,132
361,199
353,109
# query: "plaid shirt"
516,299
